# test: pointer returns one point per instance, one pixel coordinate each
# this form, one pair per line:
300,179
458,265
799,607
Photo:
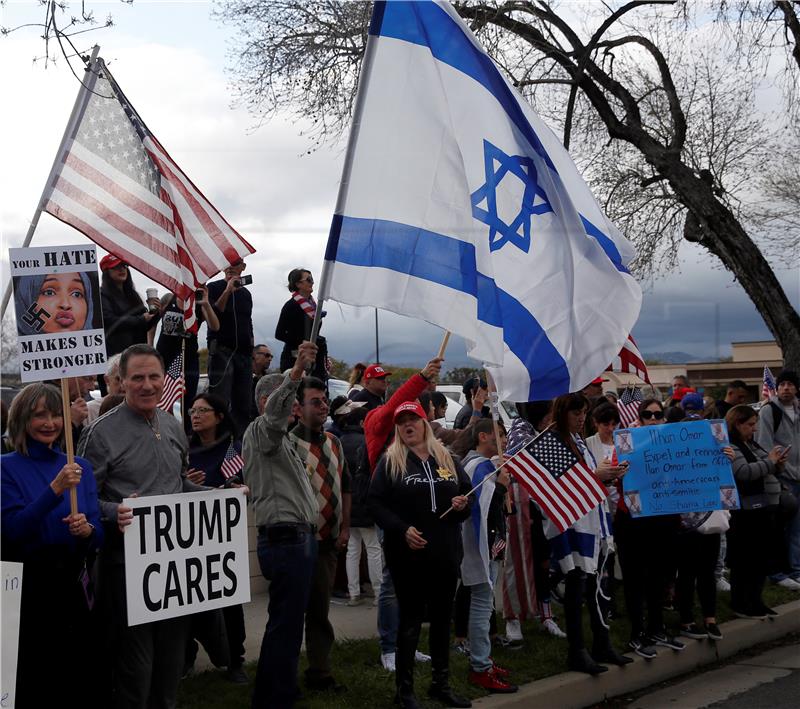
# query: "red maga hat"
110,261
375,371
413,407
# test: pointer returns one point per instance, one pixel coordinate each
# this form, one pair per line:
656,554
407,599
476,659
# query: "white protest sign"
186,553
11,596
58,311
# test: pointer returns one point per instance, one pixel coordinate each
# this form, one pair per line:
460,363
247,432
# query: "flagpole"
502,465
68,443
183,377
77,110
355,127
494,407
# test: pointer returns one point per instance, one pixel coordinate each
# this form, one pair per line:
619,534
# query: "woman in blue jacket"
56,549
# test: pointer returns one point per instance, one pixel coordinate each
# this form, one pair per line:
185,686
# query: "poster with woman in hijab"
58,312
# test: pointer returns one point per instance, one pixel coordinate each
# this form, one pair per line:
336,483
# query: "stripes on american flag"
564,486
174,386
628,406
630,361
232,464
115,183
768,386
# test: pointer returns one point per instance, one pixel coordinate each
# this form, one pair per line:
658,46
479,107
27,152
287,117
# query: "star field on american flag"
553,455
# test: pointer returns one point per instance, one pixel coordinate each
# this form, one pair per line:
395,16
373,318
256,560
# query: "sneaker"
749,614
506,642
552,627
766,610
714,633
667,641
422,657
354,601
461,647
500,671
237,675
513,630
723,585
388,662
789,584
490,681
643,647
694,631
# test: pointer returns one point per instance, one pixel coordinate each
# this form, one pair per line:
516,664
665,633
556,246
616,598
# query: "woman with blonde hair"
415,482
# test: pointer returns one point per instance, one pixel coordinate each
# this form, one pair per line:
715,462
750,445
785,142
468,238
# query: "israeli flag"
460,207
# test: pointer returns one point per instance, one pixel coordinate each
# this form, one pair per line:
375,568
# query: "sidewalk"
348,624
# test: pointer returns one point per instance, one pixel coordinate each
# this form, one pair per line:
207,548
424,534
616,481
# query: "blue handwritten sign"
676,468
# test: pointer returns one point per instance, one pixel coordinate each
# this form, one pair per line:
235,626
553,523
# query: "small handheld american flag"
565,487
232,464
174,386
768,386
628,405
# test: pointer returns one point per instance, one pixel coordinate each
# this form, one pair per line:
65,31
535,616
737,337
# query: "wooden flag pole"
500,467
68,444
443,346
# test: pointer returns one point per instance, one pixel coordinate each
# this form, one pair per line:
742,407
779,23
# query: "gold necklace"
154,428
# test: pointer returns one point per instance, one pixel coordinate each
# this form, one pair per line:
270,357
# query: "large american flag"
564,486
630,361
115,183
768,386
232,464
628,405
174,385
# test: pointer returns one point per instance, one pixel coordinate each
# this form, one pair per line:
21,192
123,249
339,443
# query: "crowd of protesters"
368,472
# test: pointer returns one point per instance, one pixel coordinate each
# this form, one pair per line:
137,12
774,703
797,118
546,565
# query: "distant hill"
677,357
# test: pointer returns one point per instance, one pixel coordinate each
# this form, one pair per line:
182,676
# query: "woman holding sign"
755,542
56,548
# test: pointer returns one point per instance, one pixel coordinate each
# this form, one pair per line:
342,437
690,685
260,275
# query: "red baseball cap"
680,392
375,371
413,407
110,261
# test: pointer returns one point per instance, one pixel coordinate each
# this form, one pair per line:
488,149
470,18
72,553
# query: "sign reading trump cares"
186,553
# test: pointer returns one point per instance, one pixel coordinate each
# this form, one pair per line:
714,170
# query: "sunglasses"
307,280
647,415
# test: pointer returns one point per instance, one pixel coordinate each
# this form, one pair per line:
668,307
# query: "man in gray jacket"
136,449
779,425
285,510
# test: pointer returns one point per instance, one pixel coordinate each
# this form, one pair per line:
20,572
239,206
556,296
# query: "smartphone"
198,296
245,280
233,480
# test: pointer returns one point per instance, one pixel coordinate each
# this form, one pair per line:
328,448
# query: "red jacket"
378,424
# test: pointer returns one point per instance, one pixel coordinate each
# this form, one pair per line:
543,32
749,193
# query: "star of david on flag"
499,168
459,206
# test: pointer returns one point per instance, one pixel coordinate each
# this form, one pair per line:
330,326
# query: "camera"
243,281
198,296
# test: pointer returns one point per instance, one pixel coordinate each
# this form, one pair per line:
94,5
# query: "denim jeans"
288,566
230,376
388,611
481,608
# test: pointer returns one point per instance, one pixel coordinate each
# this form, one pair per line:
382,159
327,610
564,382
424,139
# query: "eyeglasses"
318,403
308,279
199,410
647,415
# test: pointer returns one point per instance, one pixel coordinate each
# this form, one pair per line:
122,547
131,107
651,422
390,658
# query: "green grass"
357,666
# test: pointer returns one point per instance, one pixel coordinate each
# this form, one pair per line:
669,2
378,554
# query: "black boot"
581,661
609,655
440,690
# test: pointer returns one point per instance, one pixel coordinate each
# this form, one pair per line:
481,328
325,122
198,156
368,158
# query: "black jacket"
124,324
352,438
418,500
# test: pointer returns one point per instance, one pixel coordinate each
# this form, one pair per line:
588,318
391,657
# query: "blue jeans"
481,608
230,377
288,566
388,611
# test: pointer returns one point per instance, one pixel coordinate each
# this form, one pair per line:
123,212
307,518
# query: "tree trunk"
722,234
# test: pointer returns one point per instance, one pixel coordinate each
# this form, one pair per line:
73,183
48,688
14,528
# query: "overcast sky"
170,58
